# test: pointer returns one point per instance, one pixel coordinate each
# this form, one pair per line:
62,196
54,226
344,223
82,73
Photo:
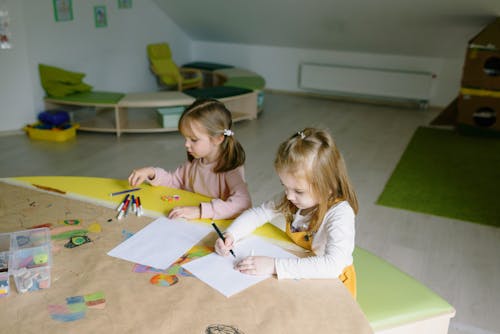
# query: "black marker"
221,236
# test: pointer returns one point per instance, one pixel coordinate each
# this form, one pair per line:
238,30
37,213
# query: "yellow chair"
168,74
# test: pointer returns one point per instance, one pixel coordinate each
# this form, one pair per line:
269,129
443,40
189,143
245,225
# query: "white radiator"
367,82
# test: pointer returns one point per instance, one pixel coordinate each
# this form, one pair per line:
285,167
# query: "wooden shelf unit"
135,112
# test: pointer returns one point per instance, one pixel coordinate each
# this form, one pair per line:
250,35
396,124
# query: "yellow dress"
304,240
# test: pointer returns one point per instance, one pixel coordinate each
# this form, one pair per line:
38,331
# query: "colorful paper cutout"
169,198
164,280
95,228
76,241
76,307
71,222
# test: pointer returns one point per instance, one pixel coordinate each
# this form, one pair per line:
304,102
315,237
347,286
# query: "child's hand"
256,265
223,248
138,176
188,212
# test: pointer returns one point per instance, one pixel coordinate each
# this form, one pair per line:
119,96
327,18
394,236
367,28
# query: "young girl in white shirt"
319,206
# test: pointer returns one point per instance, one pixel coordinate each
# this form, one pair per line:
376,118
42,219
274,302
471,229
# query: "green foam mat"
447,174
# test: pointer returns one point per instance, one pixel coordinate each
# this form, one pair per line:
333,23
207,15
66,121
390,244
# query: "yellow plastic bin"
51,134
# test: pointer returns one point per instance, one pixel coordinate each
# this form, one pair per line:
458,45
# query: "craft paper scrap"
218,271
76,307
160,243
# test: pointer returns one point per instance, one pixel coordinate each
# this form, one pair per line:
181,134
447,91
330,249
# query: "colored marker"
122,203
139,205
134,205
221,236
124,191
124,209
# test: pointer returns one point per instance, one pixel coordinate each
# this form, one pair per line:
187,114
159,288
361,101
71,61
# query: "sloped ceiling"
429,28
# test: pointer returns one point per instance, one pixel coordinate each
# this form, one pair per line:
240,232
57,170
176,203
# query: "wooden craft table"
133,304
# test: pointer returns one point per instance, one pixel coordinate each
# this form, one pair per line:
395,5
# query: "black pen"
221,236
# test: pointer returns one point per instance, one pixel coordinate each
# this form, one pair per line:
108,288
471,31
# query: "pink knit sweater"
228,190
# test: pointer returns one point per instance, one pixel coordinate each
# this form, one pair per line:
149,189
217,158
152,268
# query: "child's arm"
237,202
245,224
157,177
251,219
169,179
334,243
138,176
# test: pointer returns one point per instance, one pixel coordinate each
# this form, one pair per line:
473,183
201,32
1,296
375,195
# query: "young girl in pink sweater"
214,167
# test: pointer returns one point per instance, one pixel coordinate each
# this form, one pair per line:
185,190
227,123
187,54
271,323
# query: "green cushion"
216,92
389,297
255,82
206,66
95,97
236,72
58,82
56,89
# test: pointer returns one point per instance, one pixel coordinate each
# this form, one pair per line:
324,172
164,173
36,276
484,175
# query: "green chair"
167,73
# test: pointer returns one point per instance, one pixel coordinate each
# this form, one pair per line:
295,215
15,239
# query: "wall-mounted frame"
100,17
5,42
63,10
124,4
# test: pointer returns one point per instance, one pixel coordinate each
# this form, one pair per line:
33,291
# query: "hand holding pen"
225,242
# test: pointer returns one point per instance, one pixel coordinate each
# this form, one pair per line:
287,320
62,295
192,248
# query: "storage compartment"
4,264
30,259
168,117
482,70
482,62
481,112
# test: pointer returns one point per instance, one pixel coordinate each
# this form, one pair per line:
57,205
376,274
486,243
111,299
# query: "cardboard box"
488,38
482,69
482,62
481,112
168,117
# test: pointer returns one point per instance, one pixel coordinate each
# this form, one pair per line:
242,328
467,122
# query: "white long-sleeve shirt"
333,243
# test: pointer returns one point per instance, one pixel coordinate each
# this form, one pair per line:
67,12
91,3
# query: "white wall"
16,103
280,66
113,58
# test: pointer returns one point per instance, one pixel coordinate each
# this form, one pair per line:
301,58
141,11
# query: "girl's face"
200,144
298,190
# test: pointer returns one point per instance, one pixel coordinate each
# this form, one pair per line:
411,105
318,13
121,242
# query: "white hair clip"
301,134
228,132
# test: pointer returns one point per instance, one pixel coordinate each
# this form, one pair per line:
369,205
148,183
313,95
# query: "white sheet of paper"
218,271
161,243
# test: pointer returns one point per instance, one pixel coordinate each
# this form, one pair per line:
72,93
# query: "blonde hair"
313,153
216,119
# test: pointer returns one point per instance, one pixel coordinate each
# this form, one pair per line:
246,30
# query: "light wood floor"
458,260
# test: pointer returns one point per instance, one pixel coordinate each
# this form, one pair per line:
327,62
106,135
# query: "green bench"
396,303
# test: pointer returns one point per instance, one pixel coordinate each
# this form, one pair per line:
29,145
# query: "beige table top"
134,305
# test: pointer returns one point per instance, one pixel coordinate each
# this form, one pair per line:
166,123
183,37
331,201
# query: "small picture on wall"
63,10
123,4
4,30
100,17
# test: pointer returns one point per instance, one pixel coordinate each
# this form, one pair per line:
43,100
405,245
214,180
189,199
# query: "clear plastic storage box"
30,259
4,264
